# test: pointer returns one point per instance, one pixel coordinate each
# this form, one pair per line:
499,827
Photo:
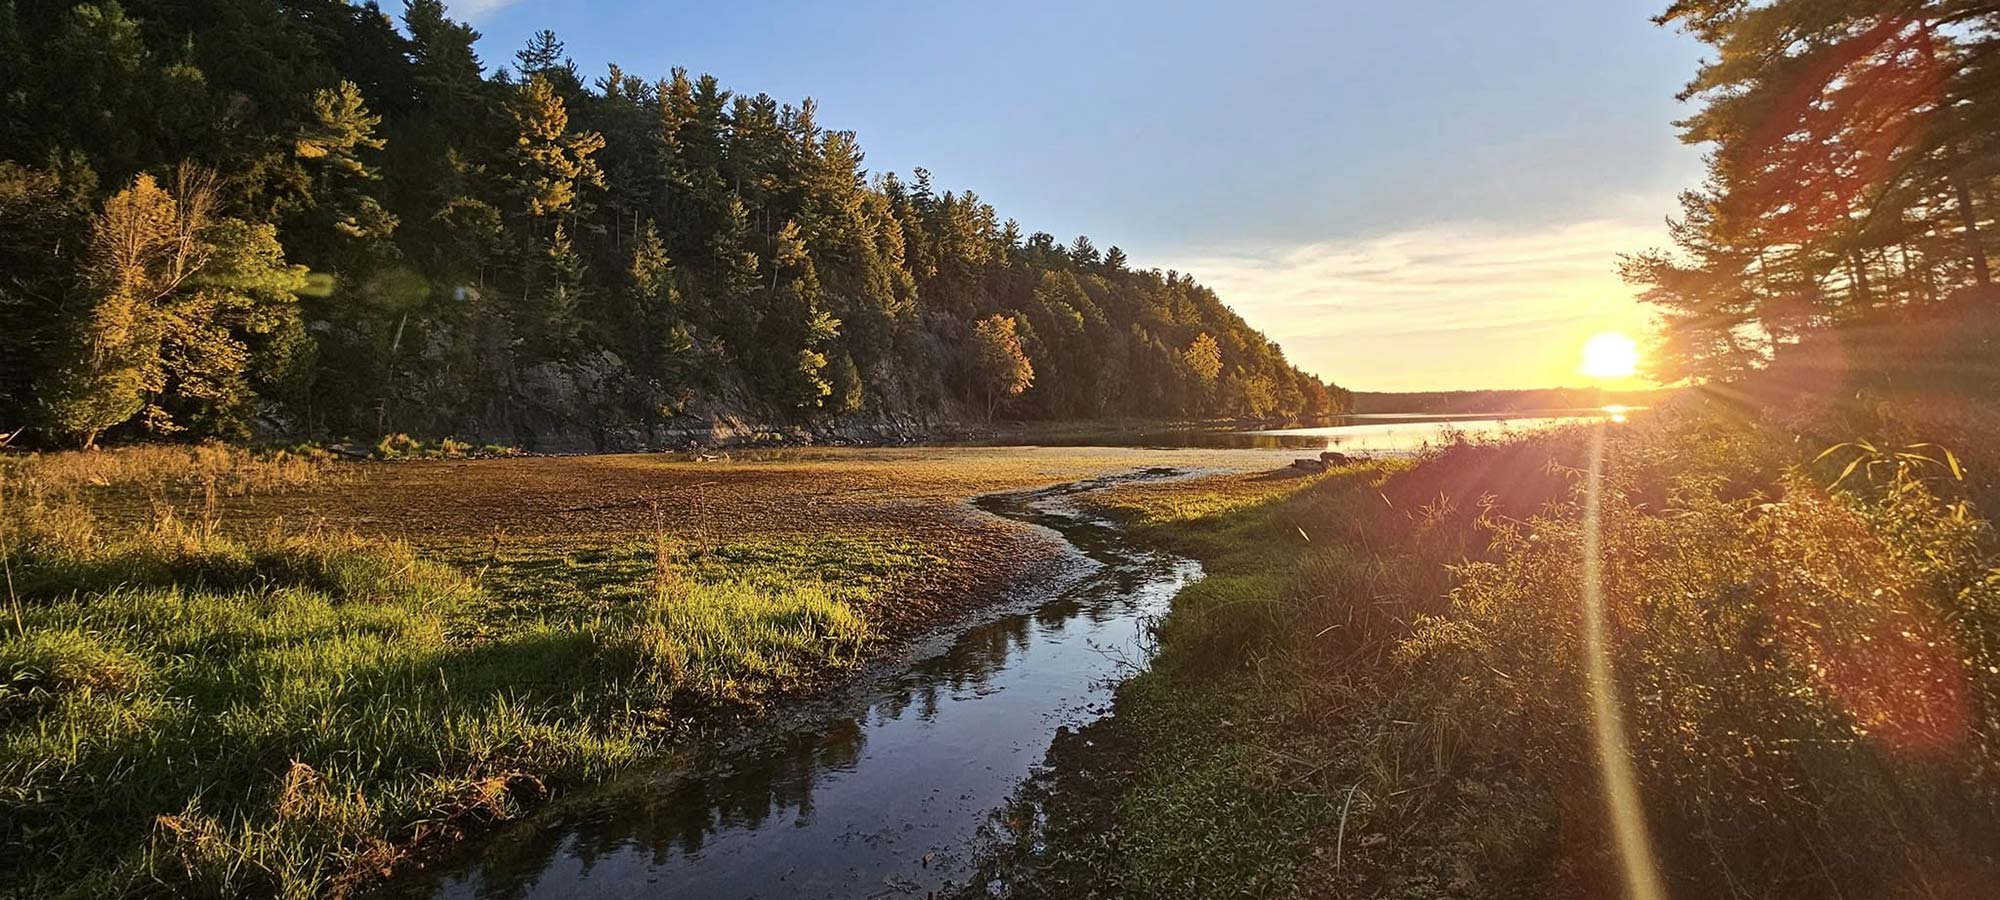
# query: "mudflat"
514,516
283,675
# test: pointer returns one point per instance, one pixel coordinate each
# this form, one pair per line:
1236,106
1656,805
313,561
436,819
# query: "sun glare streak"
1614,762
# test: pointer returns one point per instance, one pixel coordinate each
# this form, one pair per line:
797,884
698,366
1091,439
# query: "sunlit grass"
278,712
1807,677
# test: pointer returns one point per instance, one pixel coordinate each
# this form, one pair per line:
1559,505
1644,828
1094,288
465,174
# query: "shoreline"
691,442
832,697
555,555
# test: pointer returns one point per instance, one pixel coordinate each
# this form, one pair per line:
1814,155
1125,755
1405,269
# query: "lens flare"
1614,758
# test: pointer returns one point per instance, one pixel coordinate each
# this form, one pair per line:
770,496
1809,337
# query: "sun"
1610,355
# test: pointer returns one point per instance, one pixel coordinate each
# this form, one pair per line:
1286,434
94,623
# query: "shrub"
1807,675
398,446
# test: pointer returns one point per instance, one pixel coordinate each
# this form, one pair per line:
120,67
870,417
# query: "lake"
1370,433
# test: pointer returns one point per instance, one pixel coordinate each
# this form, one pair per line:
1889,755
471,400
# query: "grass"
209,710
1378,690
227,674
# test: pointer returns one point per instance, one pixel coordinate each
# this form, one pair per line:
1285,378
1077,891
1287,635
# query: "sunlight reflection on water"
1402,434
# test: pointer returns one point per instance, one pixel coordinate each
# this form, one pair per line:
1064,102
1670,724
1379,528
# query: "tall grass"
210,714
1810,673
223,468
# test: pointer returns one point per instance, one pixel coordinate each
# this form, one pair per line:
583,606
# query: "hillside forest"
308,220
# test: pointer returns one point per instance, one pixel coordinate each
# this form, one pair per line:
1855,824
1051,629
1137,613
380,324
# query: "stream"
888,794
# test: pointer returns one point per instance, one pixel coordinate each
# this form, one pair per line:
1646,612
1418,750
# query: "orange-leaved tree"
1000,367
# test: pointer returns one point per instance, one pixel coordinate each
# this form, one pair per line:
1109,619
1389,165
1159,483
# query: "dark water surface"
886,799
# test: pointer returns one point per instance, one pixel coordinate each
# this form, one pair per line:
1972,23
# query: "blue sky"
1412,195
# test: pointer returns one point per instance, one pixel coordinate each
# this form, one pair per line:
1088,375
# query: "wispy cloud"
1469,305
474,9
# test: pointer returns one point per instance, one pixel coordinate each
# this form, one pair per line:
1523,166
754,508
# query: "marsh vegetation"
285,709
226,673
1380,687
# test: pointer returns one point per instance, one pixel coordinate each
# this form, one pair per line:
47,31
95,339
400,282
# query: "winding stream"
888,797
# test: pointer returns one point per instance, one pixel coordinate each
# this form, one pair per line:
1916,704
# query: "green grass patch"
210,714
578,579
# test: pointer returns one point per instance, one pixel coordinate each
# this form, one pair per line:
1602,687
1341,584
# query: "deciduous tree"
1001,368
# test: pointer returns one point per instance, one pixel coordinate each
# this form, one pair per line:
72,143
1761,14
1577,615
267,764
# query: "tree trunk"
1975,249
1857,269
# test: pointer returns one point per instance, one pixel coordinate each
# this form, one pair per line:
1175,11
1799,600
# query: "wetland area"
795,672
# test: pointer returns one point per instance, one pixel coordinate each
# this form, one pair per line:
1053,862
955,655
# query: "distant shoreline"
1502,402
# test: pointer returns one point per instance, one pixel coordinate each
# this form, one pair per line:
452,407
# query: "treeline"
1500,401
296,217
1847,217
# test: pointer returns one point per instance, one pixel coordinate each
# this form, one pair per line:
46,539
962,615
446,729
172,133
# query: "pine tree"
544,57
46,214
1852,152
562,290
141,248
656,317
445,67
1204,358
1083,253
552,164
1010,237
848,392
796,317
736,283
331,146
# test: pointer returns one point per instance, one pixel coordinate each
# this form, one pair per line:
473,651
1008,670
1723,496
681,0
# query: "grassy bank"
1380,690
195,708
226,674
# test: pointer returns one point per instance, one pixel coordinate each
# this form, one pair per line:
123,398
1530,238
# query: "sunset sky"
1407,196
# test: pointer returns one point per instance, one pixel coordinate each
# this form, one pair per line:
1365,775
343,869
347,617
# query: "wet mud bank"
893,787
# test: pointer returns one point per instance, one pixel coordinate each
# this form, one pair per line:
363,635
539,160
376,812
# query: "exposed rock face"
597,404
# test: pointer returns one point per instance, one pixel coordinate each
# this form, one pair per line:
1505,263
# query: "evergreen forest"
313,219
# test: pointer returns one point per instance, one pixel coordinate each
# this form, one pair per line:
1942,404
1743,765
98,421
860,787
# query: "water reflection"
1372,433
886,801
1402,434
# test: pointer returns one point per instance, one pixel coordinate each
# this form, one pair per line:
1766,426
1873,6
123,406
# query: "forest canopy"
304,218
